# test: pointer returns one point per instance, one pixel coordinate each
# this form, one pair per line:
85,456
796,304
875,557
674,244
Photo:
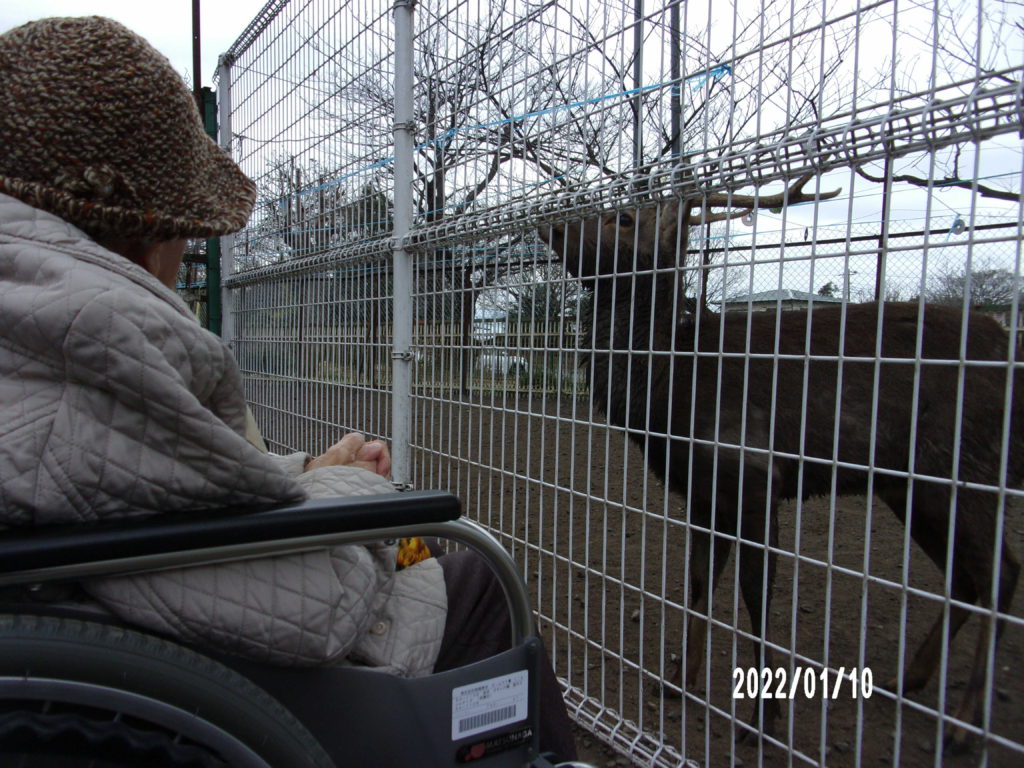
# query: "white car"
501,363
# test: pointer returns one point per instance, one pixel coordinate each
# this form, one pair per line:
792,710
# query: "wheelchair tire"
83,693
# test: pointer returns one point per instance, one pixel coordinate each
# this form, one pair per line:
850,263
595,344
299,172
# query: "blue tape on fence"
714,74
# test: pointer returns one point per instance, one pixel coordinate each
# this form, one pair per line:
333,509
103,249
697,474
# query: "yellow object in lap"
412,551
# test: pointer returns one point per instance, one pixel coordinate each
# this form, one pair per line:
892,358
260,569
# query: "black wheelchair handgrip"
61,545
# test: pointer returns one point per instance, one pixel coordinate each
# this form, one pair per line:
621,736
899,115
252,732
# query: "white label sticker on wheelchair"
490,704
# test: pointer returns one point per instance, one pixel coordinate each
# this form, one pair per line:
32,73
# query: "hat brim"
204,215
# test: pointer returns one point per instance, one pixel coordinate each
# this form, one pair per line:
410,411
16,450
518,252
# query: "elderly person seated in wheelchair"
116,402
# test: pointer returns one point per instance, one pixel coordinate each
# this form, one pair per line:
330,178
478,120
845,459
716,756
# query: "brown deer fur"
736,388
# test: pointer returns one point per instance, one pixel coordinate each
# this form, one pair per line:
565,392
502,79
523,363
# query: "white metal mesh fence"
609,339
311,310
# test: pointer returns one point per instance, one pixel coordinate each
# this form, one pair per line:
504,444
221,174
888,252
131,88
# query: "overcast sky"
167,24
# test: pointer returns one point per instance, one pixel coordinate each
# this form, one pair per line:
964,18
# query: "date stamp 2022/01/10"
781,683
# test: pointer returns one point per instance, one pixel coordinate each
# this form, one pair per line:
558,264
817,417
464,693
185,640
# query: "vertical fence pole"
404,129
638,81
227,253
208,105
676,75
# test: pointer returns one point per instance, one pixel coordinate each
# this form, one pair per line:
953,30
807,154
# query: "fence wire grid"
611,272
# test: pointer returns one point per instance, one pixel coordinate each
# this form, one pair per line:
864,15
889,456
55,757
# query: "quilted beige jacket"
115,402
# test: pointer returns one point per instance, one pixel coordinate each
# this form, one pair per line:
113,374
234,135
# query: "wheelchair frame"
405,711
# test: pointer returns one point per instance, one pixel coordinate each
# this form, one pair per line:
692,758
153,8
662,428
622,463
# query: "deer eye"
625,220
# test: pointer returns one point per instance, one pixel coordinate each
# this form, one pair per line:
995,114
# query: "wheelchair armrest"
86,550
31,549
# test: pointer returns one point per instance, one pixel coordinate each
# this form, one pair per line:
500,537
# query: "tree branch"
919,181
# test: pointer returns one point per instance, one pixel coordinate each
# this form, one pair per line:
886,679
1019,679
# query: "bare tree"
516,99
971,48
304,210
542,295
514,102
894,291
983,286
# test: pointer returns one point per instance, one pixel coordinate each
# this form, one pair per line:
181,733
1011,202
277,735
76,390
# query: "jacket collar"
20,222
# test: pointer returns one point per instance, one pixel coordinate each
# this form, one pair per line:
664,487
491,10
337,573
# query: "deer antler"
700,213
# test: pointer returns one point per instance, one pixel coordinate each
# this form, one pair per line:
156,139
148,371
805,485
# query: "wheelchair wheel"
79,693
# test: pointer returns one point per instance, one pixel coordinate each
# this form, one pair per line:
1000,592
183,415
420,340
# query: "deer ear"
670,227
669,217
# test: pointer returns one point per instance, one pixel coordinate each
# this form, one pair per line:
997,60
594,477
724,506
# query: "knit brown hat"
98,128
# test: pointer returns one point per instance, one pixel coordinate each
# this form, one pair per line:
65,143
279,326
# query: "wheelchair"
78,689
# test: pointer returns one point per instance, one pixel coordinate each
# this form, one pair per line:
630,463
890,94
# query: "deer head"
651,236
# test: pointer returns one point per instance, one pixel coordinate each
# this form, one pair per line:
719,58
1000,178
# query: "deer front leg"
704,577
926,659
757,579
704,574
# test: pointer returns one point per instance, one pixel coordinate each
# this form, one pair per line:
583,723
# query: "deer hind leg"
757,579
929,653
929,526
971,580
970,710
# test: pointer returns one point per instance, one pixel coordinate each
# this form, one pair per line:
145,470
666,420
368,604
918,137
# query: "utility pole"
676,92
638,47
847,274
207,103
197,78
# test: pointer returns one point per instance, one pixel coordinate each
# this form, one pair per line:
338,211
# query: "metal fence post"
227,242
401,400
208,105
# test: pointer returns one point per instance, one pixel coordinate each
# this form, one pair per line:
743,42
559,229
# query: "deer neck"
625,320
632,315
634,312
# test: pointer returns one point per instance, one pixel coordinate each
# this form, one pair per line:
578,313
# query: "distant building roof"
785,294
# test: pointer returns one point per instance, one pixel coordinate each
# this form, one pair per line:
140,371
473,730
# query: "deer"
716,402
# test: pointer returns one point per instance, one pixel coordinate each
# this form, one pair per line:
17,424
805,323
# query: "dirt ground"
603,547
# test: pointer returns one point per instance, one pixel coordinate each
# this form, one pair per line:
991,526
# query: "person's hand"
353,451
